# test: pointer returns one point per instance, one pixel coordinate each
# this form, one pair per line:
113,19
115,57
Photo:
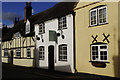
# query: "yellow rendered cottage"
97,38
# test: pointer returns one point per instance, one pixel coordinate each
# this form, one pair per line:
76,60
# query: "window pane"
62,23
103,47
63,53
102,15
93,17
52,36
41,28
41,52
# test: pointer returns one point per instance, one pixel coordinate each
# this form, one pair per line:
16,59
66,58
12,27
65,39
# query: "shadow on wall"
36,58
116,62
116,66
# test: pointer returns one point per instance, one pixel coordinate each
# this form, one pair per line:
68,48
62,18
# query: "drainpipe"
74,43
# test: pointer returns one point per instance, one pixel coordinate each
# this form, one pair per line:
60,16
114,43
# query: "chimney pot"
26,3
29,3
18,19
15,18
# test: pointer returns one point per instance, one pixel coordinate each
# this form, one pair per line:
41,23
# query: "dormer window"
27,28
17,35
62,23
41,28
98,16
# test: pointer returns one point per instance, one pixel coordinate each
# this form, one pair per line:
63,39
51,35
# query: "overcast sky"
10,10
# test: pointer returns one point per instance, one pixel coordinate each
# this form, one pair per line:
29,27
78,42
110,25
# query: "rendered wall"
83,35
66,66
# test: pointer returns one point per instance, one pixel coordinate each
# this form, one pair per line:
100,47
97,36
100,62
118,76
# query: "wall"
83,38
23,43
68,33
119,36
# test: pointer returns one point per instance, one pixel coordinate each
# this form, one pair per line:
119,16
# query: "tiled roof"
60,9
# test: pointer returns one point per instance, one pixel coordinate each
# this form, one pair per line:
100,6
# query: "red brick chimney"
27,11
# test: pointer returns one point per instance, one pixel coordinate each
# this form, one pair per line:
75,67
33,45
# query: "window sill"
40,59
63,60
27,33
63,28
99,61
97,25
40,33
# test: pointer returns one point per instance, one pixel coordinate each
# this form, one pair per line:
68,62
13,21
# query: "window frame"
5,52
17,33
28,50
61,18
63,51
42,28
27,28
99,50
18,50
42,53
97,15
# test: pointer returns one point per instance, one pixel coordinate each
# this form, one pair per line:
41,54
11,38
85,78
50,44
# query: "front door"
11,57
51,57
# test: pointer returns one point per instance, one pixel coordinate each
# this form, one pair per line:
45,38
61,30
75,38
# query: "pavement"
10,71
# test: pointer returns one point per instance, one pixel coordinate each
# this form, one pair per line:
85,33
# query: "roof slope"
60,9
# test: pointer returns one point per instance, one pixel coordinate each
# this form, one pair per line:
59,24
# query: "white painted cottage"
54,32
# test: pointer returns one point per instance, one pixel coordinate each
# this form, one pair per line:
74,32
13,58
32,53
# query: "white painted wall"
68,33
0,62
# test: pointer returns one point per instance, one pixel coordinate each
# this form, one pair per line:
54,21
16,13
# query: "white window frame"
61,20
28,50
62,54
27,28
99,50
96,17
18,51
5,52
42,53
17,35
42,30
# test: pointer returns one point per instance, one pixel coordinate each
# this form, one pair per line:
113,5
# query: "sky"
10,10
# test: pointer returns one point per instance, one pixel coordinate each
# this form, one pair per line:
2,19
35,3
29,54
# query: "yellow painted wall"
83,39
119,35
23,62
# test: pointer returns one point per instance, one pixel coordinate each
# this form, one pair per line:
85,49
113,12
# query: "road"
14,73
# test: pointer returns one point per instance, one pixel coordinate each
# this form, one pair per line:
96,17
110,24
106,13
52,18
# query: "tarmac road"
13,73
